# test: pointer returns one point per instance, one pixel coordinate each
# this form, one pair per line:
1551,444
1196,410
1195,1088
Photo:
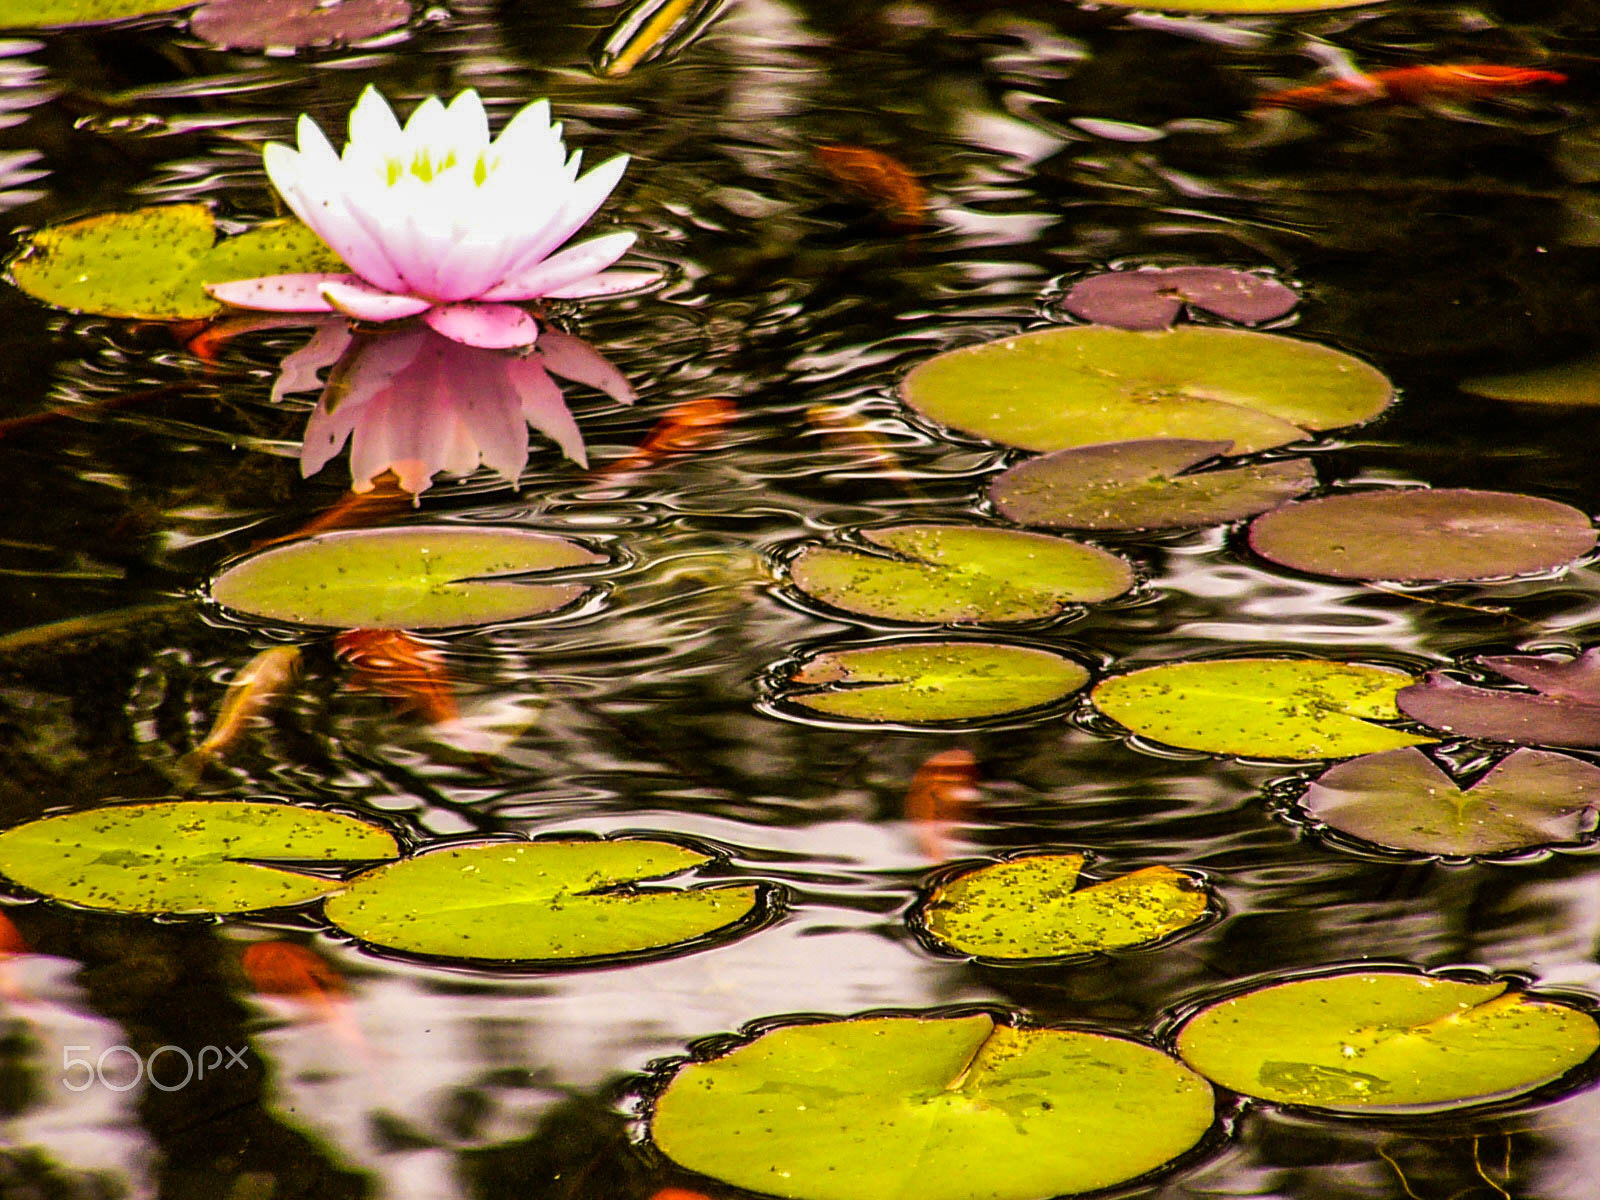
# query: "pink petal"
299,371
281,293
545,408
570,266
355,298
490,326
573,358
607,283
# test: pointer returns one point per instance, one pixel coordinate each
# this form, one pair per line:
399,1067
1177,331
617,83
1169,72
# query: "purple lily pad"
1401,798
1562,710
1143,484
1152,299
293,24
1434,535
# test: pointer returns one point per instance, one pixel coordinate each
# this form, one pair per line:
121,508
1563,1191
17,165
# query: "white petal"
373,128
586,197
570,266
469,124
314,144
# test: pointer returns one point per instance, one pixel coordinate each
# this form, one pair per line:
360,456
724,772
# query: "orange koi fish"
678,1193
12,945
1411,85
687,426
395,663
353,510
942,792
881,180
305,978
258,686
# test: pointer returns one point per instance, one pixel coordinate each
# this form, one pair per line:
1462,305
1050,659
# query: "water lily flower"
439,221
416,403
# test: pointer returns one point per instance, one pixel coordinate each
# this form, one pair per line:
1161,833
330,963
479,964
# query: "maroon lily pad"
1402,799
1149,299
1433,535
294,24
1562,710
1143,484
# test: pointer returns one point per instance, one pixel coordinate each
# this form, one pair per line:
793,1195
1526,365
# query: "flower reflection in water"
415,402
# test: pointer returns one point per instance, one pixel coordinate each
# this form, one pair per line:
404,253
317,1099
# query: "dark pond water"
1436,240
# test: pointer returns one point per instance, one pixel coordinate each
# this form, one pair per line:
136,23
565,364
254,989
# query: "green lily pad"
1574,384
1143,484
537,901
1402,799
1026,908
940,1108
412,577
921,682
151,263
41,14
1076,386
1376,1040
1261,707
959,573
1431,534
205,856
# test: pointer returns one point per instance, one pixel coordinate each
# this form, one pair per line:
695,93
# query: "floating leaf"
1142,485
412,577
1562,710
151,263
920,682
956,573
260,24
1573,384
1436,534
1148,299
1261,707
653,30
528,901
1402,799
939,1108
1076,386
1386,1040
206,856
38,14
1026,908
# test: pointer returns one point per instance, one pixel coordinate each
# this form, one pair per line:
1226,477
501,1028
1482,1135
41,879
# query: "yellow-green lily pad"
411,577
939,1108
1261,707
1027,908
538,901
949,574
46,14
1076,386
1386,1040
206,856
931,682
1573,384
152,263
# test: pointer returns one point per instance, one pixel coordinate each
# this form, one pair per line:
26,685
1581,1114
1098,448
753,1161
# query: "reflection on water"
1437,240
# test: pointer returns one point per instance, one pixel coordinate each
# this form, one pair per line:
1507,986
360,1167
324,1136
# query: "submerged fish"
1413,84
257,686
397,664
881,180
942,792
687,426
305,978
